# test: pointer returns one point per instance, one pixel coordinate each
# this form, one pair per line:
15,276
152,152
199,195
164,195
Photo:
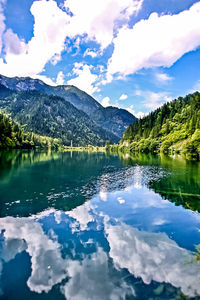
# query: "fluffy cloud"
123,97
153,256
106,102
93,20
97,19
85,79
133,112
60,78
157,41
50,31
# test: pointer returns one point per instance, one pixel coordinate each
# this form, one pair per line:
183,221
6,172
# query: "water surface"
96,226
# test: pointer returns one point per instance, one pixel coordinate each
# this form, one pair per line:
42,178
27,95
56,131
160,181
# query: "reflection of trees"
182,183
65,180
11,160
40,180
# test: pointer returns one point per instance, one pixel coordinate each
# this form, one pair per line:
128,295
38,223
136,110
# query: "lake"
98,226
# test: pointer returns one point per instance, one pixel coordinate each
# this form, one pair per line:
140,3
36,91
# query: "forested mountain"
13,136
111,119
72,94
175,126
54,117
114,119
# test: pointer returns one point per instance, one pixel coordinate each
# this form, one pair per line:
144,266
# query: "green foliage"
107,145
13,136
173,127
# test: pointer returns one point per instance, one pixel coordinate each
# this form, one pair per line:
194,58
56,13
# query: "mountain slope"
176,126
111,119
55,117
72,94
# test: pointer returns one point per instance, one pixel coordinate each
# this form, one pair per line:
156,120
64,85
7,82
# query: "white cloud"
45,79
152,100
153,257
13,45
50,31
91,53
163,77
157,41
60,78
98,19
55,59
106,102
140,115
120,200
159,222
133,112
123,97
85,79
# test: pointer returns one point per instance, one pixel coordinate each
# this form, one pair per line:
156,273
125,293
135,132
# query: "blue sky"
134,54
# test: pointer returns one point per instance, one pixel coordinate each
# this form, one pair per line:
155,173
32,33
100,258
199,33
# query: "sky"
133,54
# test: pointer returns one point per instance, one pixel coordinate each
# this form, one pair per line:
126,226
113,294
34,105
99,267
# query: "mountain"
175,126
53,116
113,119
72,94
110,118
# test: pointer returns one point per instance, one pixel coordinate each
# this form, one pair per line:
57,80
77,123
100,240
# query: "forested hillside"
173,127
54,117
13,136
110,118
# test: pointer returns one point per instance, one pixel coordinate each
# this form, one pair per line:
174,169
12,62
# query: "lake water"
80,226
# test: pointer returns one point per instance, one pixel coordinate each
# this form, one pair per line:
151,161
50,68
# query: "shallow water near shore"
98,226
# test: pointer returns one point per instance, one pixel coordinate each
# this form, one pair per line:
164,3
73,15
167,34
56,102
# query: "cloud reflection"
146,255
48,267
153,256
90,279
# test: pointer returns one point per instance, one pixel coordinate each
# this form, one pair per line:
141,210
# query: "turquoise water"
96,226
